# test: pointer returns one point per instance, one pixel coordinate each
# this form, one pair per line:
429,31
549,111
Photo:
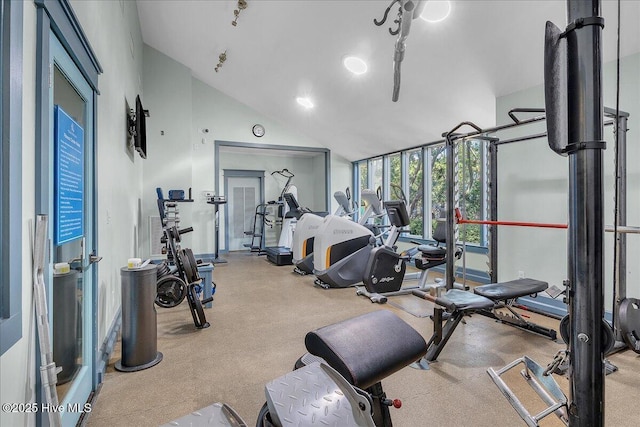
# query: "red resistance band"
461,220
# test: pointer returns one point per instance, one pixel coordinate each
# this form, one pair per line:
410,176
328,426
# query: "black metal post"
620,267
493,211
586,225
451,235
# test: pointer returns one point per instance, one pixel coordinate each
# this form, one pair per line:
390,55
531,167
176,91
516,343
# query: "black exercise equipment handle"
523,110
185,230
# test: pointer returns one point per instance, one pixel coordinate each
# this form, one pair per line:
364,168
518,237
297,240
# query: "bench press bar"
627,229
461,220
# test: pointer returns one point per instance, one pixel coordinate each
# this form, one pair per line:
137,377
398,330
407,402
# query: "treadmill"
283,255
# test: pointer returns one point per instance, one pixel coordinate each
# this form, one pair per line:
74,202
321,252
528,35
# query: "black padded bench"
511,290
504,295
367,348
458,303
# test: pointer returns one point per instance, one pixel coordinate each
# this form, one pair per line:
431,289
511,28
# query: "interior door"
244,193
70,172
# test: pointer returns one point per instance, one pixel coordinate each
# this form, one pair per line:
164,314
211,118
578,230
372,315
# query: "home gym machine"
574,110
339,380
178,276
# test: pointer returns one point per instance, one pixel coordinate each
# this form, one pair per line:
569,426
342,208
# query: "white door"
243,195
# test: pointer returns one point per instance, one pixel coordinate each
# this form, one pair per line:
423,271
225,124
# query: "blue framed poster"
68,178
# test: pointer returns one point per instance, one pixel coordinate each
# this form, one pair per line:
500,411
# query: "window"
395,176
471,197
438,194
416,193
375,170
420,175
364,175
10,173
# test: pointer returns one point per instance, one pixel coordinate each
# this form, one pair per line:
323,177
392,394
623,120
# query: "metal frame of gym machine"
585,293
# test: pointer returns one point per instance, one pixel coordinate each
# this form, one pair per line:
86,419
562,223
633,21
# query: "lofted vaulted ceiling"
452,70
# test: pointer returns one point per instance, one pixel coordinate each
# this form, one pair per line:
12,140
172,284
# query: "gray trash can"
139,326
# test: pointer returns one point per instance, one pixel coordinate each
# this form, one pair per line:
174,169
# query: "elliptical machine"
342,247
306,229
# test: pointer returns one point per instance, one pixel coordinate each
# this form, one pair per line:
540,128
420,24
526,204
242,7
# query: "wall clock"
258,130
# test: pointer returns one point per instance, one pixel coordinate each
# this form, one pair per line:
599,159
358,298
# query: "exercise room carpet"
414,306
258,321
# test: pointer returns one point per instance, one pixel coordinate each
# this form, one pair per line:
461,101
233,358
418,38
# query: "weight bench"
458,304
505,294
365,350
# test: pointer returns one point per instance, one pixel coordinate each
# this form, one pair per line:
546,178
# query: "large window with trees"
471,199
421,174
395,176
375,172
363,175
416,192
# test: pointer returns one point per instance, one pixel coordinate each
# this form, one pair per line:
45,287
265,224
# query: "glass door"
71,225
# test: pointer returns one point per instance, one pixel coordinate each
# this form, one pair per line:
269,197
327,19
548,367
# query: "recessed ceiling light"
354,64
436,10
305,102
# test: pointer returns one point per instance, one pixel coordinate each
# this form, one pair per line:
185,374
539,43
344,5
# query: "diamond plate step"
316,395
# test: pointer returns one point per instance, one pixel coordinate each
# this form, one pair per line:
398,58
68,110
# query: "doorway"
245,191
66,196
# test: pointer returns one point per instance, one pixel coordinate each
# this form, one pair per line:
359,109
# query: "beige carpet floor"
259,318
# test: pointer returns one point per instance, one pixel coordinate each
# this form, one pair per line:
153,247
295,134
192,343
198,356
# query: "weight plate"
162,270
630,322
189,265
197,312
608,337
564,329
171,291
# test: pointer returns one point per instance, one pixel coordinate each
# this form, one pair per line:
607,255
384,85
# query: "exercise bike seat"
512,289
367,348
431,250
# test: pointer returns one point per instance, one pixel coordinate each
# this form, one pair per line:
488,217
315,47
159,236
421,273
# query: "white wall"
113,32
533,186
183,157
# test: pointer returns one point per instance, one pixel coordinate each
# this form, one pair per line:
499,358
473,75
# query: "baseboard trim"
107,346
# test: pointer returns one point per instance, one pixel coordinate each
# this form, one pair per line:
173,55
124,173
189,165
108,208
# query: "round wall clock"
258,130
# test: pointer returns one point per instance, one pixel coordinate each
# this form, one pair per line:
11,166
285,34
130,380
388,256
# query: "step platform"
315,394
279,255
